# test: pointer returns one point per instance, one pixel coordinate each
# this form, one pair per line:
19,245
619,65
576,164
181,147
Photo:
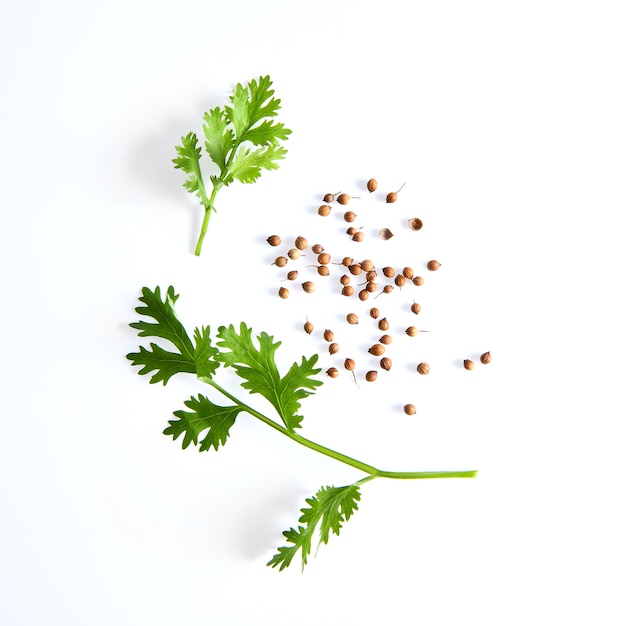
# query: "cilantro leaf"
330,507
241,139
258,368
203,415
165,363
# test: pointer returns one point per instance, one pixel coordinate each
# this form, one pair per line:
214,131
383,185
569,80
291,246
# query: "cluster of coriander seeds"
356,276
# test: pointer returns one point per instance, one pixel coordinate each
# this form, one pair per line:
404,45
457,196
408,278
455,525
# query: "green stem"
205,221
372,472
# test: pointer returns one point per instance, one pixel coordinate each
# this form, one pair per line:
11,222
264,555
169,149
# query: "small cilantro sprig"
241,139
207,425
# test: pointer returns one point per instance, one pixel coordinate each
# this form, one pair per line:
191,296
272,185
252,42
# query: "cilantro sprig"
207,425
241,139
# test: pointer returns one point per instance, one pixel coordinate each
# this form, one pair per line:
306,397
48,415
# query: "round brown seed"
408,273
468,364
418,280
363,295
374,312
324,258
389,272
433,265
283,293
293,254
359,236
352,318
386,363
385,339
308,286
371,376
376,349
423,368
416,308
328,335
415,223
485,358
349,216
317,248
348,290
372,185
332,372
274,240
345,279
324,210
308,327
355,269
383,324
333,348
280,261
301,243
409,409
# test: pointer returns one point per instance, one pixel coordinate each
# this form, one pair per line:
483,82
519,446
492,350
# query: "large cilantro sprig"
242,139
207,424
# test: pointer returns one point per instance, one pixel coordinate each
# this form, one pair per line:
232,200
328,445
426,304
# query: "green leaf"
260,105
189,161
204,415
267,133
218,138
167,325
205,354
239,115
246,166
328,510
165,364
258,368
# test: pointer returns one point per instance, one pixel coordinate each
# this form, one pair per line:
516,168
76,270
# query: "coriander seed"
352,318
383,324
433,265
409,409
292,275
280,261
329,197
351,230
293,254
324,210
274,240
468,364
348,290
359,236
363,295
347,261
415,223
418,281
485,358
376,349
371,376
371,275
389,272
328,335
317,248
372,185
301,243
345,279
333,348
349,216
371,286
416,308
367,265
386,363
349,365
283,293
374,312
324,258
408,273
400,280
322,270
423,368
308,286
393,195
308,327
385,339
412,331
332,372
385,234
343,198
355,269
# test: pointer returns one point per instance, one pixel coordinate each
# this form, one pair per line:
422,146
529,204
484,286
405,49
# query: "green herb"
207,425
230,133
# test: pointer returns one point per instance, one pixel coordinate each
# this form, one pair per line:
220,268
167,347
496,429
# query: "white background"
502,119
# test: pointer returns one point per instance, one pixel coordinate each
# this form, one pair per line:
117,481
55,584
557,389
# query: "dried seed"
351,230
323,270
349,216
423,368
332,372
409,409
352,318
348,290
308,326
333,348
374,312
389,272
328,335
376,349
385,234
345,279
371,376
359,236
343,198
412,331
418,280
485,358
347,261
274,240
400,280
468,364
415,223
355,269
324,258
393,195
408,273
363,295
372,185
308,286
349,364
386,289
329,197
293,254
416,308
367,265
280,261
386,363
283,293
371,275
292,275
433,265
324,210
385,339
317,248
301,243
371,286
383,324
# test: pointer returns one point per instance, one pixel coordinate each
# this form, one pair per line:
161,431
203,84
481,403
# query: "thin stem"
372,472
